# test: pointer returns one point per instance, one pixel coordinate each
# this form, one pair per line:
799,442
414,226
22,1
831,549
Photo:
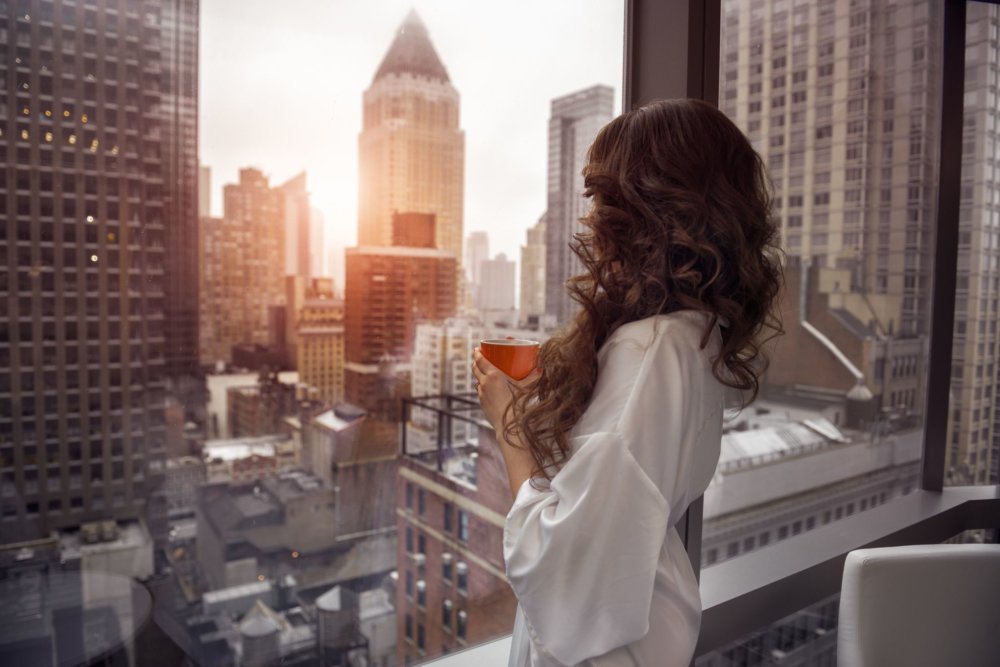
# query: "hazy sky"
281,85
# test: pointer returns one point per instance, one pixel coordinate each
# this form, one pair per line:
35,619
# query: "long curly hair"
680,218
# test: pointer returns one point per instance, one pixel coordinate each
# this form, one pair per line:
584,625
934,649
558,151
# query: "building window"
409,539
446,613
409,627
733,549
409,496
764,539
421,593
462,570
421,502
711,556
463,525
448,518
446,567
420,636
782,532
409,584
422,543
461,625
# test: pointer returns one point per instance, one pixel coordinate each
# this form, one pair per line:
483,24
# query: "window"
463,525
448,519
446,567
461,625
421,502
462,570
446,607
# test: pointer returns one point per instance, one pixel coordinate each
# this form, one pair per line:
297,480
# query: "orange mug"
514,356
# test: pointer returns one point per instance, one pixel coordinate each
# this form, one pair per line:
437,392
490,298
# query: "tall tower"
574,122
241,267
298,227
532,302
411,148
178,39
87,286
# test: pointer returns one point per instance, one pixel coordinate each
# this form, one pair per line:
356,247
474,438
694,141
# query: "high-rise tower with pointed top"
411,148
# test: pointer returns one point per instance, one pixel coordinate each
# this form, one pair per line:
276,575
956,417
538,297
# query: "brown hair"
680,219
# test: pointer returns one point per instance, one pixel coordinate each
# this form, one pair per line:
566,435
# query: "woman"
618,431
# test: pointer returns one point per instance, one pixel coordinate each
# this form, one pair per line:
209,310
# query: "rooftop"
412,52
233,449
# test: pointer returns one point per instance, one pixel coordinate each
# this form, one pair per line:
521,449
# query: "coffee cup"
516,357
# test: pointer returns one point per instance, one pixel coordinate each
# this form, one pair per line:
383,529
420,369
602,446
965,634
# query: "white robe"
599,570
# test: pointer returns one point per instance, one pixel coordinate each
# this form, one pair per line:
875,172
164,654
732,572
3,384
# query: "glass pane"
842,100
201,396
807,637
974,432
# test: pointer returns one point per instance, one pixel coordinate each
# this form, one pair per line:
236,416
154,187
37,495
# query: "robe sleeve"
581,554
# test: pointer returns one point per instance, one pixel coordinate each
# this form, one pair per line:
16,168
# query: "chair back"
920,605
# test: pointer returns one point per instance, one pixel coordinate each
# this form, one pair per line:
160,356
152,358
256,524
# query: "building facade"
411,149
389,290
320,342
497,284
574,121
452,590
532,302
241,267
298,227
178,39
85,223
477,250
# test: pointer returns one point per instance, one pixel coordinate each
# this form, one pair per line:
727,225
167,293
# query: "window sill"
772,582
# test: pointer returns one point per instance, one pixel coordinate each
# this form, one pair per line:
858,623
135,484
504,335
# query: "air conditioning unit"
420,560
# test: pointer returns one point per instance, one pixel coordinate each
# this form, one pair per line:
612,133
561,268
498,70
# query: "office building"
574,121
97,224
177,22
497,284
532,303
320,342
261,408
411,150
204,191
298,226
241,267
477,250
388,291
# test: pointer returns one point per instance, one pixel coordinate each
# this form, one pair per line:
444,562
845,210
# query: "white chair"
916,606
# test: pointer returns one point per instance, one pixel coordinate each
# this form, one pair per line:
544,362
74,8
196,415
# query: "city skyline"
505,134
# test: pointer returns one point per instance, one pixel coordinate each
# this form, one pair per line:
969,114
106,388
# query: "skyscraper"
497,286
388,290
298,226
177,23
574,122
86,225
974,449
411,147
204,191
320,341
532,303
477,250
241,267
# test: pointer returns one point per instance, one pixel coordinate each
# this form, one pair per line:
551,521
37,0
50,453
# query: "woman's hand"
496,389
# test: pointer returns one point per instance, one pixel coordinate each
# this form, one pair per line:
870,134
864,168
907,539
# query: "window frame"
761,587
